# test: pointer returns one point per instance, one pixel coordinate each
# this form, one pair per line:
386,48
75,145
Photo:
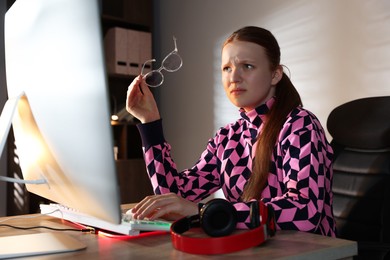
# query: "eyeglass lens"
154,78
172,62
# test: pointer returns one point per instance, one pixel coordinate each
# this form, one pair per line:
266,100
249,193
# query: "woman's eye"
248,66
226,69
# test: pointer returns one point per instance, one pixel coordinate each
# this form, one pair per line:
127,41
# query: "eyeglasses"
171,63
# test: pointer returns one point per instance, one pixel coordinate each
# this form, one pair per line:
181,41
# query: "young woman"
275,153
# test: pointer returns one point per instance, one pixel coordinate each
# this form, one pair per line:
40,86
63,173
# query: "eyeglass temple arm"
143,66
174,41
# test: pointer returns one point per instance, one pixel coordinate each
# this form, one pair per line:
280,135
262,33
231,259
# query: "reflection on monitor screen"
55,66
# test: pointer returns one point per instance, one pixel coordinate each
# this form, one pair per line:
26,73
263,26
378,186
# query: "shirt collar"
257,115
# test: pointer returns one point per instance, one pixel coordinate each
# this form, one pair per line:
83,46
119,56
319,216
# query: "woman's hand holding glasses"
140,101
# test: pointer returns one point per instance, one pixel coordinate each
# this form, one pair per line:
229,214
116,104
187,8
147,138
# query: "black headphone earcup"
218,218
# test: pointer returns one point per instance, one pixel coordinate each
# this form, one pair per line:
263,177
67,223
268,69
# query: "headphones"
218,219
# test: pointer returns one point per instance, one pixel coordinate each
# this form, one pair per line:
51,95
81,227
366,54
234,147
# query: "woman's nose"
235,75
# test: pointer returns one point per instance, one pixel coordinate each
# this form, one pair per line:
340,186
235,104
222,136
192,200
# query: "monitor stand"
6,118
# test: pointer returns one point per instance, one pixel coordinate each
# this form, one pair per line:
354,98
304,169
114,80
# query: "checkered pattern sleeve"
193,184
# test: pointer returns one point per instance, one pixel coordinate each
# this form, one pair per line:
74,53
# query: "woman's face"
246,75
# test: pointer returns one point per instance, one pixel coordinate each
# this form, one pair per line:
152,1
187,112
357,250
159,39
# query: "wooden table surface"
284,245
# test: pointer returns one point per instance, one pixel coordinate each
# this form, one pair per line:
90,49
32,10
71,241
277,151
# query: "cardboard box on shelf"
126,50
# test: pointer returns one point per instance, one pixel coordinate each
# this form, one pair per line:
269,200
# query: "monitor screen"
55,64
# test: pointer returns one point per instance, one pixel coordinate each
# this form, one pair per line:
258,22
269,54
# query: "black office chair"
361,182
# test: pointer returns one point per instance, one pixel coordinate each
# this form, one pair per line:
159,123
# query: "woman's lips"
237,91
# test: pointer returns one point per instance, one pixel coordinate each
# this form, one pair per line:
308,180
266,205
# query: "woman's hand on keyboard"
168,206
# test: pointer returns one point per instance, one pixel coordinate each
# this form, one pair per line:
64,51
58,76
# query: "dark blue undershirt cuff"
151,133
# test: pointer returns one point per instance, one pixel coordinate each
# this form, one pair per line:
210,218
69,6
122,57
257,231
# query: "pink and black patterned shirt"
299,183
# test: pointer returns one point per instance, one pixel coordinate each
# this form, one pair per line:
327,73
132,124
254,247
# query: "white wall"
336,51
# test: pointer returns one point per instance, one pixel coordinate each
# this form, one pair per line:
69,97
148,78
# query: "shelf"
128,141
111,21
122,123
134,15
133,180
130,14
122,76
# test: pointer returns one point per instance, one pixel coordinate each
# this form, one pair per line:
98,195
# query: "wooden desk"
285,245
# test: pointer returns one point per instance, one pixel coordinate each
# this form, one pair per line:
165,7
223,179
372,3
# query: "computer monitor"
56,71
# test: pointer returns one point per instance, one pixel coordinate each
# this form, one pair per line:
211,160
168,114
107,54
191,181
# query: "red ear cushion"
218,218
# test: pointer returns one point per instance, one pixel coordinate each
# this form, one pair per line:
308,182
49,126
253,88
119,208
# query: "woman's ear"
277,75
